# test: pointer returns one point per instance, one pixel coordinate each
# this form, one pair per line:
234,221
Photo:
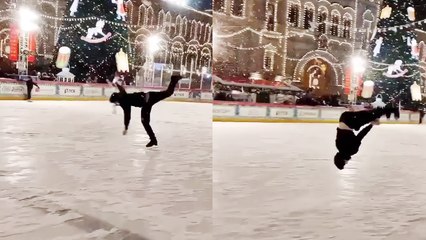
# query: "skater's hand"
124,132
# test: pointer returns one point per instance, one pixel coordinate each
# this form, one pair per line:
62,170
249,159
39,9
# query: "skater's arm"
121,88
364,132
35,84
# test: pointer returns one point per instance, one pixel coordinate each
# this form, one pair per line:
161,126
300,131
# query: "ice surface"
278,181
66,172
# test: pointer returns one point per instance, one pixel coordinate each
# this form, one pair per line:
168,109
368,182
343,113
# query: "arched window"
309,16
161,17
141,15
149,18
293,15
194,28
335,21
184,27
209,33
270,17
322,19
219,5
268,58
238,7
178,25
176,55
168,22
347,25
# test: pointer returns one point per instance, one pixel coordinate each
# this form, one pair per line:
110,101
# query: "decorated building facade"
306,42
185,34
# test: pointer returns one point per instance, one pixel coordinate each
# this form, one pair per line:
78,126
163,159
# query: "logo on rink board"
69,91
181,95
12,89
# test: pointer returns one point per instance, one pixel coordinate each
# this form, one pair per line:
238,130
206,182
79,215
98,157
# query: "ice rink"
67,172
278,181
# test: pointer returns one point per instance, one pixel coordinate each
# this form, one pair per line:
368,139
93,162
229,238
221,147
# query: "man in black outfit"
145,101
347,142
30,85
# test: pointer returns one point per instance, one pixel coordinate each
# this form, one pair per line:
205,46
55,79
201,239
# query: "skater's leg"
29,90
355,120
155,97
364,132
145,118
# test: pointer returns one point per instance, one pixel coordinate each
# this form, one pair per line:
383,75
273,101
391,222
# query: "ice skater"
30,85
347,142
145,101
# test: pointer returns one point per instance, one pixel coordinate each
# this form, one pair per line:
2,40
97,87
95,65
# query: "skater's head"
115,98
340,160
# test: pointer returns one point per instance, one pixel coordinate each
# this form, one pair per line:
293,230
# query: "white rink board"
45,90
92,91
224,110
307,113
248,111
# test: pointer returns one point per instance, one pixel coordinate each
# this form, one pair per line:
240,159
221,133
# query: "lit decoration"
415,49
386,12
395,71
14,43
32,47
65,75
74,7
121,9
378,46
416,92
379,102
367,89
122,61
323,68
411,14
91,32
63,58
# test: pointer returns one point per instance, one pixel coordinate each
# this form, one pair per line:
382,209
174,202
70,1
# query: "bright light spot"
358,64
28,19
204,70
178,2
154,44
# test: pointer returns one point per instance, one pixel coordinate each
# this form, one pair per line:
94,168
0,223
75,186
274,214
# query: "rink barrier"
278,113
16,90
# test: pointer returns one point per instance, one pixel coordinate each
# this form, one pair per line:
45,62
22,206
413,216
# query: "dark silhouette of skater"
145,101
30,85
347,142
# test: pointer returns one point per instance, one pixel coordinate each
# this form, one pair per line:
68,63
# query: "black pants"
29,90
355,120
151,99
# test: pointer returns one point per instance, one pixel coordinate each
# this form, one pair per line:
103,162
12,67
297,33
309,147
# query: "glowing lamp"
122,61
64,54
416,93
411,13
386,12
368,89
28,19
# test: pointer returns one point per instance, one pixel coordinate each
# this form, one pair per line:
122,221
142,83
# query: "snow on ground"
278,181
66,172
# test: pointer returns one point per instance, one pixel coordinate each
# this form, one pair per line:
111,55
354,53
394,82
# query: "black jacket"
347,142
126,102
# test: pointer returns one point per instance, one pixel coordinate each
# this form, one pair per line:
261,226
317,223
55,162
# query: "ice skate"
376,122
152,143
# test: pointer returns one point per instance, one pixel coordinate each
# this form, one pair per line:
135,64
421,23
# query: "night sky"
201,4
